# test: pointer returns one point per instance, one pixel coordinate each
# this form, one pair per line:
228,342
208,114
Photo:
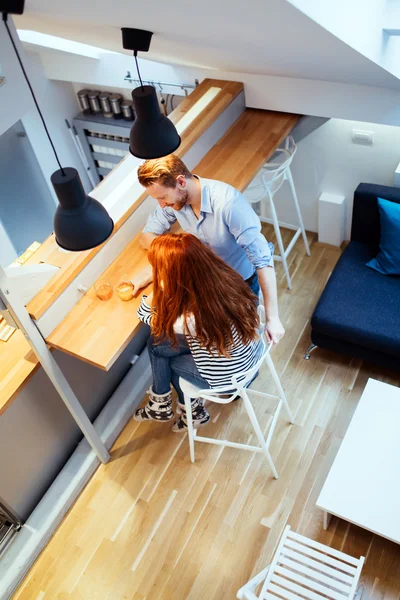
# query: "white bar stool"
239,388
304,569
271,178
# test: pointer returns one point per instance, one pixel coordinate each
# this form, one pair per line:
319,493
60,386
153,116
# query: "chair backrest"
303,568
273,172
243,379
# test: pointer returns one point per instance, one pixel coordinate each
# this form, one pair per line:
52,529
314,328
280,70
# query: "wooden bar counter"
17,362
73,262
98,331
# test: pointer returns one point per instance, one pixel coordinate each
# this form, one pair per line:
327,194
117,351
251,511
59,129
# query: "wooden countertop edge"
42,301
4,404
25,367
111,362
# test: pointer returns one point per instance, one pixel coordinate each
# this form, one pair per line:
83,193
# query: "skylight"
57,43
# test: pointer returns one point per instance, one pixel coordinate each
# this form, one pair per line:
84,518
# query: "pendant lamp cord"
137,67
5,16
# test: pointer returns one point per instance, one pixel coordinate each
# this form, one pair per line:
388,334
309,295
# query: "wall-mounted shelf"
104,141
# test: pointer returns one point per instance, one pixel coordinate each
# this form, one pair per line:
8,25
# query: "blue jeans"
254,285
168,363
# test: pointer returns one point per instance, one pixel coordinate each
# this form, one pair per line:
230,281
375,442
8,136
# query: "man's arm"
157,223
245,226
146,238
274,327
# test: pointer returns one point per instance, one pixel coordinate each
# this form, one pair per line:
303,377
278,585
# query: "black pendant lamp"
153,135
80,222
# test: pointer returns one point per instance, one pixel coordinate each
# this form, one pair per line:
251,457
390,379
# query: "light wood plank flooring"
150,525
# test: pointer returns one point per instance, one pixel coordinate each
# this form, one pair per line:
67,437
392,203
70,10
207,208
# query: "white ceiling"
260,36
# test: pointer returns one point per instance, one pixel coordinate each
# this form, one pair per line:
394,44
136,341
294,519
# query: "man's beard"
182,200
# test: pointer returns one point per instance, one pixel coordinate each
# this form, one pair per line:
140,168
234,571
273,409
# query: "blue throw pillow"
388,259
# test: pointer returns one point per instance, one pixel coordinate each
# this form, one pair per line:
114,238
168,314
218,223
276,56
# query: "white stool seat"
239,387
271,178
304,569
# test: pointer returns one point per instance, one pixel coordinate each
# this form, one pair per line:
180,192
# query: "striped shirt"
217,370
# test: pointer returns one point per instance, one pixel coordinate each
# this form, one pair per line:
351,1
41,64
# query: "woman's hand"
142,279
274,330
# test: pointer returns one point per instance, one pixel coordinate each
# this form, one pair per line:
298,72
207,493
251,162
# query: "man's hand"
274,330
143,278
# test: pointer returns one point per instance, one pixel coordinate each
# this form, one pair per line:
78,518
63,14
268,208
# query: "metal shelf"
108,143
107,127
107,157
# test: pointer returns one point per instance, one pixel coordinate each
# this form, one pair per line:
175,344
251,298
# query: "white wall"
356,22
56,99
328,161
392,13
7,250
287,94
110,69
14,101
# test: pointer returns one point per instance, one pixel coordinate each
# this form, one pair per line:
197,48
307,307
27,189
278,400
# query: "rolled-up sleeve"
245,226
160,221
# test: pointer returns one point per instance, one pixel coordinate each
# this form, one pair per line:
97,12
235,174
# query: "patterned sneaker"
199,415
158,408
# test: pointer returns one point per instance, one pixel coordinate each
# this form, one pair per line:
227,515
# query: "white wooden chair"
267,183
240,381
303,569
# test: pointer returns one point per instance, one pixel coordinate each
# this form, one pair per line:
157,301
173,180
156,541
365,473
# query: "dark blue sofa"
359,310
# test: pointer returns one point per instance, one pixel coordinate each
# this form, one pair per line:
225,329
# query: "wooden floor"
150,525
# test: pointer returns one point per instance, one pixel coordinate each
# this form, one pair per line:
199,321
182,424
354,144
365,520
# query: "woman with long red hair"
199,296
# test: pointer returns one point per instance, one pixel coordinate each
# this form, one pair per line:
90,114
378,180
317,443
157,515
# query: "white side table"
363,485
331,219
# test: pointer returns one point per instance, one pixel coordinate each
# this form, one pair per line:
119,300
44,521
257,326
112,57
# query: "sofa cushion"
388,259
360,305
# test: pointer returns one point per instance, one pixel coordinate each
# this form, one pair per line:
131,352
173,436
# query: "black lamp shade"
152,135
80,222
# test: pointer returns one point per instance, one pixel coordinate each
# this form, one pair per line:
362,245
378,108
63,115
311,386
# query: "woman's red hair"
190,279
